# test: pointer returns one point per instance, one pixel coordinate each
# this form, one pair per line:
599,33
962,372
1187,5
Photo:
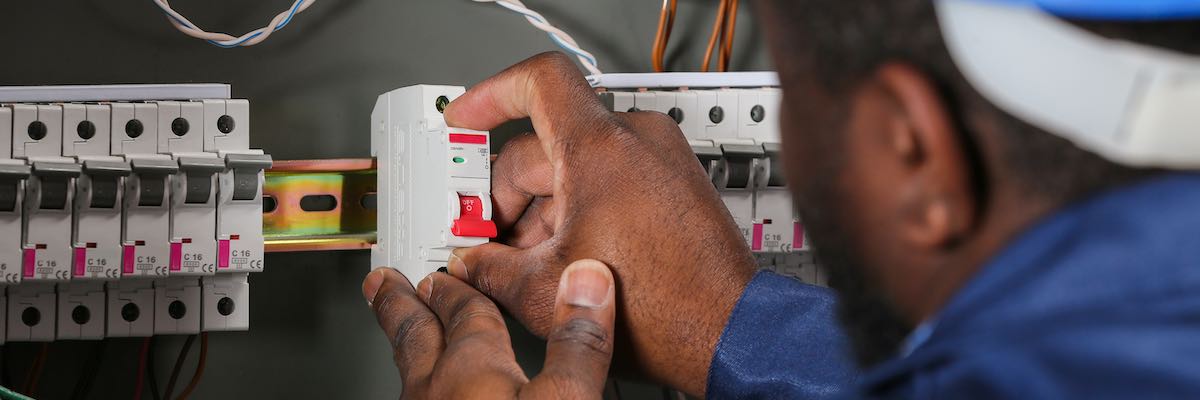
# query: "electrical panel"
733,130
127,210
434,181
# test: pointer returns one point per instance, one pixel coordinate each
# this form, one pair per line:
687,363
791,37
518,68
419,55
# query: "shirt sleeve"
782,341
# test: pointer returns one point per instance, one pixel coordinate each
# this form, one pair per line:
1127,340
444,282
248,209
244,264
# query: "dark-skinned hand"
450,342
624,189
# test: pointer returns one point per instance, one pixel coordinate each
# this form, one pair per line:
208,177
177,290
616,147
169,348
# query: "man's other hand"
450,341
624,189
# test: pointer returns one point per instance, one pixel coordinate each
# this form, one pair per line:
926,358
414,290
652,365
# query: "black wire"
90,369
154,393
187,345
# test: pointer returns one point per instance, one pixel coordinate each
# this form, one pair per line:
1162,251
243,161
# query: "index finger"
546,88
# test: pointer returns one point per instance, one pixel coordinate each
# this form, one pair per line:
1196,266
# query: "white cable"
557,35
225,40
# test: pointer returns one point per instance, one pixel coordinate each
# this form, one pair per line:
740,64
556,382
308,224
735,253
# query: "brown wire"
199,368
666,21
183,353
35,370
727,36
716,33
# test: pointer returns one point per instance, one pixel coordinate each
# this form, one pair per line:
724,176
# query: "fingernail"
586,284
456,266
426,288
371,285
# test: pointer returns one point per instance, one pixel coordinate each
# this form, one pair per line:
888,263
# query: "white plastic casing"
145,228
177,305
130,311
226,298
193,217
193,248
423,173
226,295
10,217
776,228
47,234
720,115
238,138
758,114
81,310
96,250
31,311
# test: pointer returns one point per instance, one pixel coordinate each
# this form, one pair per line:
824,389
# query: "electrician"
1000,191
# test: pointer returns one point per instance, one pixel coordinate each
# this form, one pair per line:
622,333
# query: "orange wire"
666,21
727,36
716,33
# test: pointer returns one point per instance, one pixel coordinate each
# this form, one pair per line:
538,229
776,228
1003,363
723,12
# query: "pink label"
223,254
80,260
30,262
797,235
756,238
176,256
127,259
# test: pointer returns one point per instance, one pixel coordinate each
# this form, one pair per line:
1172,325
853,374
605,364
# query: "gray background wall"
311,88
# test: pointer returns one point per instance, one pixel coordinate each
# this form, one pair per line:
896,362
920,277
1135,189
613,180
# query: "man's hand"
624,189
450,342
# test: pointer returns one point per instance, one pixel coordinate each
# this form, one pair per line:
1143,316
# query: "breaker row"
735,135
127,218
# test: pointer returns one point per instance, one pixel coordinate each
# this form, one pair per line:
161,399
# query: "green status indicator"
459,160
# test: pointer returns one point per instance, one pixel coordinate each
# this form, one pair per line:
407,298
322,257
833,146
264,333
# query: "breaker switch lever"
470,222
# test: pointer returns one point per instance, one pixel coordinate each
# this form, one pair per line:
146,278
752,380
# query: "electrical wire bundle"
557,35
666,20
226,40
722,35
145,369
723,28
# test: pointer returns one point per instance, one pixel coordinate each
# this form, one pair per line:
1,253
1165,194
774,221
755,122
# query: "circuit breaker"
434,181
96,250
126,210
145,228
730,120
226,295
46,226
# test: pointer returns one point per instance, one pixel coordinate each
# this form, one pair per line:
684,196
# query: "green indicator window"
459,160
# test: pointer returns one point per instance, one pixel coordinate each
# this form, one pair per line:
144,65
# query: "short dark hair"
842,41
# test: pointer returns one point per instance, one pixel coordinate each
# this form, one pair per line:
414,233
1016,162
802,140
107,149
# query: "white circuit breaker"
145,245
97,206
731,123
226,295
434,181
126,210
13,174
48,205
193,217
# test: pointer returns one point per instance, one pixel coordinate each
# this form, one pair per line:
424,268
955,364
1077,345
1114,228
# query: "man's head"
906,177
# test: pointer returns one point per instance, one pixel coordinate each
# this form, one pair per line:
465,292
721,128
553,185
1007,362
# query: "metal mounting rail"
315,205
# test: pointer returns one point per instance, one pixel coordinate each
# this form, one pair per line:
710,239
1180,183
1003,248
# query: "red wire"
141,371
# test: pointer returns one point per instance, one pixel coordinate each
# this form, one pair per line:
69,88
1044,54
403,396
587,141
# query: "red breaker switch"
470,222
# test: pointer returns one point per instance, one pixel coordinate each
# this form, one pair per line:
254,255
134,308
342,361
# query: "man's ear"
939,204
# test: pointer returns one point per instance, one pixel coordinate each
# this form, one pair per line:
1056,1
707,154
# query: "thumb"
500,272
580,344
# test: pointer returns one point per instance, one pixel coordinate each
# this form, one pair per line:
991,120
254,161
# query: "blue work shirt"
1099,300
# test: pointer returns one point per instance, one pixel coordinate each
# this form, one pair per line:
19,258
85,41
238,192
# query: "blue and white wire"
562,39
226,40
